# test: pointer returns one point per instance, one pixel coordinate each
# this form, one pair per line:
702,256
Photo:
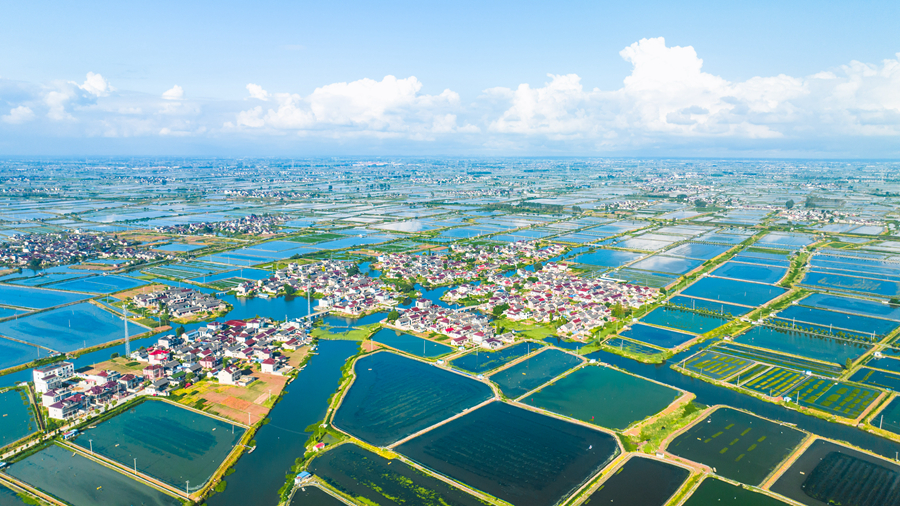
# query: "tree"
34,263
289,289
895,301
538,266
849,363
700,203
577,209
498,310
353,270
179,331
114,355
789,204
393,315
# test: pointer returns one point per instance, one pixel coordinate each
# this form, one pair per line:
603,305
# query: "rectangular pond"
727,310
834,397
606,258
69,328
863,324
373,479
603,396
314,496
80,481
16,419
668,264
750,272
698,251
682,319
876,378
628,485
713,491
100,284
740,446
775,382
13,353
411,344
853,305
534,371
516,455
736,292
844,283
36,298
715,365
889,417
172,444
657,336
813,346
480,361
630,346
393,397
778,359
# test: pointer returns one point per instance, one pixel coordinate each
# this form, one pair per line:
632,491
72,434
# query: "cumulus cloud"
96,85
18,115
175,93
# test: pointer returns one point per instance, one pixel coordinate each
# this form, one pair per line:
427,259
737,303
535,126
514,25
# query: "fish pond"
803,344
480,361
715,365
373,479
733,291
314,496
740,446
16,420
627,486
630,346
750,272
777,359
603,396
699,251
606,258
100,284
682,319
708,305
69,328
36,298
834,397
668,264
775,382
80,481
828,473
8,497
889,417
519,456
13,353
411,344
837,320
534,371
664,338
393,397
852,305
875,378
722,493
182,445
844,283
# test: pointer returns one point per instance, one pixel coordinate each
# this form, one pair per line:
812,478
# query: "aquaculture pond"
750,272
411,344
9,497
834,397
480,361
603,396
13,353
683,319
631,346
260,474
715,365
606,258
731,290
889,417
522,457
844,283
825,318
663,338
100,284
373,479
7,312
722,493
80,481
393,397
708,305
699,251
564,344
804,344
875,378
182,446
179,247
628,485
740,446
852,305
664,263
70,328
16,420
772,358
828,473
534,371
314,496
886,363
36,298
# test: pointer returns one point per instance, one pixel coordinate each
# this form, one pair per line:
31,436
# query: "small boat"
98,488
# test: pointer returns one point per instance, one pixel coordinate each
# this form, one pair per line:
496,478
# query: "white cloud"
175,93
96,85
257,92
18,115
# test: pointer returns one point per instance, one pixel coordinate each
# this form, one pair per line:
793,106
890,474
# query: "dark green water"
604,396
480,361
9,497
411,344
83,482
534,371
16,421
682,319
360,473
394,396
721,493
314,496
738,446
522,457
259,475
628,486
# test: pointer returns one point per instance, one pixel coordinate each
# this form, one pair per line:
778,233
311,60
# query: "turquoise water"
522,457
683,319
858,323
394,396
534,371
100,284
69,328
16,421
719,307
801,343
604,396
480,361
654,335
9,497
83,482
35,298
729,290
411,344
170,443
13,353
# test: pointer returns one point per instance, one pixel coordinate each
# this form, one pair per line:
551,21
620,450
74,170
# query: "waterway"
260,474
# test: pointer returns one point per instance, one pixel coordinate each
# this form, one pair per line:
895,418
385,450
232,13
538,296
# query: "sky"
692,78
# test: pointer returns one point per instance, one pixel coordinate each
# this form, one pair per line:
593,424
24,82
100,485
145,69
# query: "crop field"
779,360
774,382
880,379
715,365
833,397
741,447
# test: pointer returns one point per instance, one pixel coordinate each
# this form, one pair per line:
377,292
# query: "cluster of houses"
341,289
230,352
249,225
67,248
179,302
462,326
553,293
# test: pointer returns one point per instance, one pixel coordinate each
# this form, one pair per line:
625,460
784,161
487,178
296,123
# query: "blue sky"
685,78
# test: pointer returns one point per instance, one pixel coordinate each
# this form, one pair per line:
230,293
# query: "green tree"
789,204
179,331
289,289
498,310
393,315
34,263
849,363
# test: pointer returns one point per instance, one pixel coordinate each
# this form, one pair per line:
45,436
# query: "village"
35,250
179,302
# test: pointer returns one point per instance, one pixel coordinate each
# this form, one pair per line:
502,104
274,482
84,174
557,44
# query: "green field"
834,397
715,365
775,382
